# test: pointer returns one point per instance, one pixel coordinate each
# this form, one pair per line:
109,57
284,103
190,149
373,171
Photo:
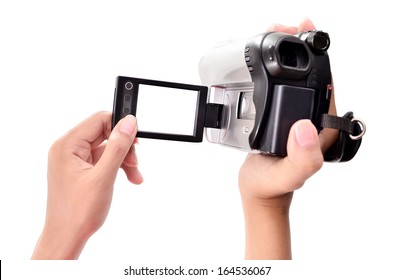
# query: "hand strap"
349,139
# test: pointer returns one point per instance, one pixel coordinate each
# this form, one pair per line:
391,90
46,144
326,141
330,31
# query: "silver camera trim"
234,131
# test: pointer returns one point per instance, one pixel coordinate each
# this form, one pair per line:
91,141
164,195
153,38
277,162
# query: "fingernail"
128,125
306,24
305,134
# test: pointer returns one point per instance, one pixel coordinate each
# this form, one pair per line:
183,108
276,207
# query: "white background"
58,64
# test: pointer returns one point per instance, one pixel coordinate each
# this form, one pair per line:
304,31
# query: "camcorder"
253,91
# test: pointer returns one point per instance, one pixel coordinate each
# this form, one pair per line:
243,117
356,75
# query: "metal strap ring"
362,126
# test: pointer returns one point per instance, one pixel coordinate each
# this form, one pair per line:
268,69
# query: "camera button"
127,97
129,86
329,89
248,59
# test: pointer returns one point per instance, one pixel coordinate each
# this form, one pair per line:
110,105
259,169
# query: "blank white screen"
166,110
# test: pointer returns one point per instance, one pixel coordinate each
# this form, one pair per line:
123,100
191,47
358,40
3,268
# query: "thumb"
117,147
304,153
306,25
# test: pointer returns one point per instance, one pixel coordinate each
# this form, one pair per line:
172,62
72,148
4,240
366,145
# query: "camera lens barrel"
318,41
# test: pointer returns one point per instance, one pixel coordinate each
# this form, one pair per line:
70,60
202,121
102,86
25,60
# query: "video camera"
253,91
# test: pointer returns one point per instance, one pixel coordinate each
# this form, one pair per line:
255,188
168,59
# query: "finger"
304,155
97,152
306,25
282,28
133,174
117,147
131,159
93,130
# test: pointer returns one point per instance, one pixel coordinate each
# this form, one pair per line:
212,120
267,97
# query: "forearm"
59,245
267,230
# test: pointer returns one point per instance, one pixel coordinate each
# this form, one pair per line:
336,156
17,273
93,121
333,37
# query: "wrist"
59,244
279,204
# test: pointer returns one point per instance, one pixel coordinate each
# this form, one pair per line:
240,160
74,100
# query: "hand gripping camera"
254,91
